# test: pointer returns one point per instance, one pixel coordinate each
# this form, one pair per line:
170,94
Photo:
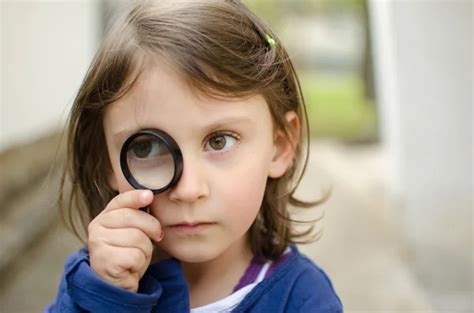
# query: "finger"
118,263
130,282
134,199
133,260
122,267
130,218
130,238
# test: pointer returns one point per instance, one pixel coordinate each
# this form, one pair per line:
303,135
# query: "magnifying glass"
151,159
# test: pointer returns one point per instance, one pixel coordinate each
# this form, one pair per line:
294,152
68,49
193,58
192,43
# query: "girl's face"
229,150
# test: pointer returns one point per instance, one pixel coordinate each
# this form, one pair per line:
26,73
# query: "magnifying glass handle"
145,209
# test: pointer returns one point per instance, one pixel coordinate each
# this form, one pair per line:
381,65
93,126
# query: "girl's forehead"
163,87
162,97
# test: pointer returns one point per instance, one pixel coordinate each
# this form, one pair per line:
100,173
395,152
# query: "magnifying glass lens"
150,161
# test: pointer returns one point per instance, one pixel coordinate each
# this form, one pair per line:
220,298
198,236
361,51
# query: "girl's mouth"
191,228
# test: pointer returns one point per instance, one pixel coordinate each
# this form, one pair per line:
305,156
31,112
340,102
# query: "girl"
213,76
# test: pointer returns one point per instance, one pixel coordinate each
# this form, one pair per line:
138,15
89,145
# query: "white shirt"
230,302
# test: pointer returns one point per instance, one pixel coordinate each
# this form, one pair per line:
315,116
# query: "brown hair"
220,48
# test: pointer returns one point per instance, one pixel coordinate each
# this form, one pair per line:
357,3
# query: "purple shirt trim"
256,265
250,274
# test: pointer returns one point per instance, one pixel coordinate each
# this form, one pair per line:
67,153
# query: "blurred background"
388,86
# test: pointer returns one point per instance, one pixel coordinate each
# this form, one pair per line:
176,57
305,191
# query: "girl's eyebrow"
120,136
233,120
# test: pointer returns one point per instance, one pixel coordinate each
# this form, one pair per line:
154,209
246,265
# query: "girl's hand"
120,247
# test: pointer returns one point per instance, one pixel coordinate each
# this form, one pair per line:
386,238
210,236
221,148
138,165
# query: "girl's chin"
192,253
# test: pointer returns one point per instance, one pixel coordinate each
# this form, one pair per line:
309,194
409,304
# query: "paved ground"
360,248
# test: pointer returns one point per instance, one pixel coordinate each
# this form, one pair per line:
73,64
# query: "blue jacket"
297,285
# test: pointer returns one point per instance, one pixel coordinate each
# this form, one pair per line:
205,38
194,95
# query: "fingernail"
162,234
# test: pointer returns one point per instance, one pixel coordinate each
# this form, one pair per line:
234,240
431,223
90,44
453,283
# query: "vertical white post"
424,63
46,47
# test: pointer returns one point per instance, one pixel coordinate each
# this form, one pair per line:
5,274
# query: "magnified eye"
151,159
221,142
145,148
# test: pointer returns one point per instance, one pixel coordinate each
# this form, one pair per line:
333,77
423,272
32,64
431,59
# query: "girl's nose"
192,185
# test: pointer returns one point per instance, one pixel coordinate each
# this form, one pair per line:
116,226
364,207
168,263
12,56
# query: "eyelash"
221,133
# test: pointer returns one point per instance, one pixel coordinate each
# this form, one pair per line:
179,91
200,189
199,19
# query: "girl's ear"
284,146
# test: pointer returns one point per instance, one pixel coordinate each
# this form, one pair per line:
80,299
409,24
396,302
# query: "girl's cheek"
245,194
158,206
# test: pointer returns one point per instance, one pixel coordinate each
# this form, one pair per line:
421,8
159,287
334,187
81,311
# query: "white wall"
46,47
424,61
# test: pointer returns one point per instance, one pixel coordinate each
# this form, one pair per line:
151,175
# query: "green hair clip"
271,42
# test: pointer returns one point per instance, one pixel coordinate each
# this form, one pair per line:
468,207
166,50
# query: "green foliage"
270,11
273,10
337,107
336,104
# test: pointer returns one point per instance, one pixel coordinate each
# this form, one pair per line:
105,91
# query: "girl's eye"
145,149
221,142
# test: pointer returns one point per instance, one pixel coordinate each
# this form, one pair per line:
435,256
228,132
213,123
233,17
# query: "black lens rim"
172,147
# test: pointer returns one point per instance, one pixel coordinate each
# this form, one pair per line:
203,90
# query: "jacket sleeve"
81,290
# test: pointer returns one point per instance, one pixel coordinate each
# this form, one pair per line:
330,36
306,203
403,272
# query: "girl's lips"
190,228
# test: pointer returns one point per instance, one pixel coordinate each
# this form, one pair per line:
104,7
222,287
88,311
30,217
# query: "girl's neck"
215,279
